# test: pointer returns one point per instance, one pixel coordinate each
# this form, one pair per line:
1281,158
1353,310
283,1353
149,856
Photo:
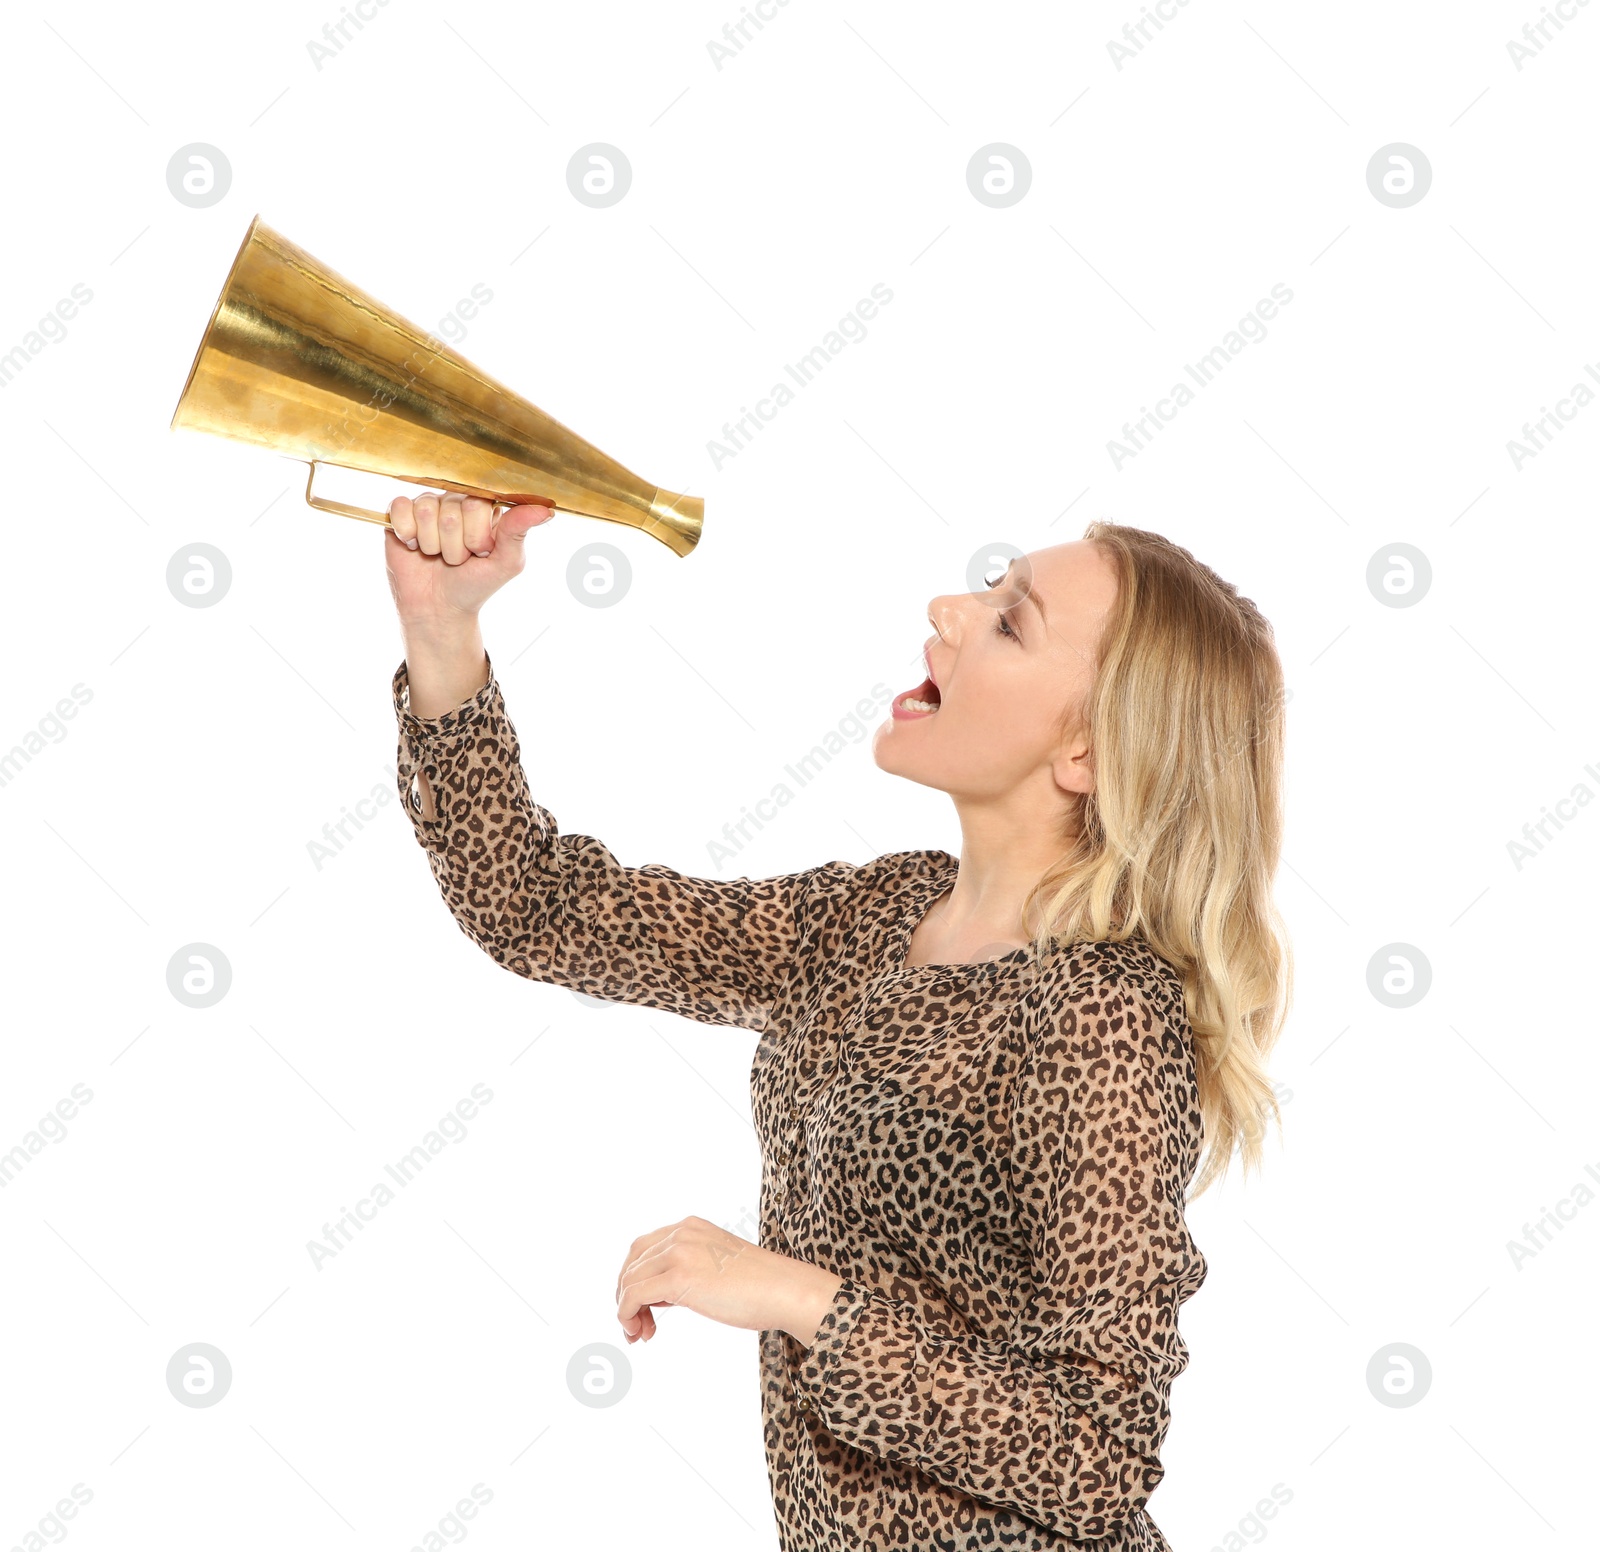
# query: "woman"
981,1086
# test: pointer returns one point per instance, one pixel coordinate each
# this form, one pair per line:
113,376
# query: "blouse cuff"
470,713
437,744
817,1381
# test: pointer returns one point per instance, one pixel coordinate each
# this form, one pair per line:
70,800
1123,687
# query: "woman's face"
1003,665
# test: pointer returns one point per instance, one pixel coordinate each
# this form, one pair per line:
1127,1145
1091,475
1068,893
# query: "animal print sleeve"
560,908
1062,1422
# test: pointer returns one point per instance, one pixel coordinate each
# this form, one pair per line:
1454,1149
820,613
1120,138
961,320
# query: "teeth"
912,704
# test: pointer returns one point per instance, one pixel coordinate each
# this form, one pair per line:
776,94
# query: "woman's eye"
1003,625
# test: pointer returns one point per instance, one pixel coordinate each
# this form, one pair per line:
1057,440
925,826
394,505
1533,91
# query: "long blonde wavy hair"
1179,841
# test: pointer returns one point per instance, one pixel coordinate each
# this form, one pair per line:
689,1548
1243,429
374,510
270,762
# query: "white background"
768,197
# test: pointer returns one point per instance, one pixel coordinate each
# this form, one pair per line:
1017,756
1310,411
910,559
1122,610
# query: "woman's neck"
1004,854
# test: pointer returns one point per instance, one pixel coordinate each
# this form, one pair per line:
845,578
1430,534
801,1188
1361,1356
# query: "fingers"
515,522
639,1294
691,1241
425,509
644,1280
534,512
435,520
645,1249
454,526
643,1324
452,542
477,533
678,1264
403,521
647,1327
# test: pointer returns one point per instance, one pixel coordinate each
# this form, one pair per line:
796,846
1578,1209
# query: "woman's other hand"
727,1279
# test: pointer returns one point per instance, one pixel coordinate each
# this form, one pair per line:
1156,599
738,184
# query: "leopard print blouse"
993,1156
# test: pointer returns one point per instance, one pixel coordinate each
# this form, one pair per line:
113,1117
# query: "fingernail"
411,544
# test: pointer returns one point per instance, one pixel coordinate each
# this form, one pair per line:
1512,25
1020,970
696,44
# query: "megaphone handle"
366,514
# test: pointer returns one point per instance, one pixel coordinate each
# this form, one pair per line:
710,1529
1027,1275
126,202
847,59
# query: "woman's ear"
1073,766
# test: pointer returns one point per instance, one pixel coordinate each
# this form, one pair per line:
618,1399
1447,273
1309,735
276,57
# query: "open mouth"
923,701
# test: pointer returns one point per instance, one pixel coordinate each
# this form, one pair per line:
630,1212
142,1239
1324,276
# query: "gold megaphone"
297,359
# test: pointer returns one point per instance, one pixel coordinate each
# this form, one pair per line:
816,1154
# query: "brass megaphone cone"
297,359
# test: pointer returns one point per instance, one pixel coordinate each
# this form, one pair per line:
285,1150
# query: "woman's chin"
892,755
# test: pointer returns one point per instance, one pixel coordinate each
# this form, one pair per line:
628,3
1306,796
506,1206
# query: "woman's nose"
944,614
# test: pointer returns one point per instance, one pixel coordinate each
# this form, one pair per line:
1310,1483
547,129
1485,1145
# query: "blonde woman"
981,1085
